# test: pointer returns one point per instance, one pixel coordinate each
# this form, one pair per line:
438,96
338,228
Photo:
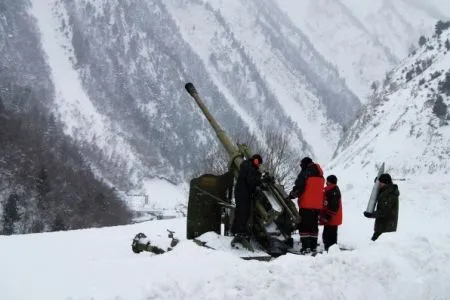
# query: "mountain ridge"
406,122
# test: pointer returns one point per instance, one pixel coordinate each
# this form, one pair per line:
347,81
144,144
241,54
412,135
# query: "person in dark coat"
331,216
386,211
248,180
308,187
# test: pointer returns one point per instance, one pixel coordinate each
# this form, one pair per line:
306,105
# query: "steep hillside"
114,72
364,39
265,64
45,181
22,60
406,124
119,76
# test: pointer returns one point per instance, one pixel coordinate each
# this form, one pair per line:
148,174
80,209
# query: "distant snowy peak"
394,24
364,39
342,39
407,122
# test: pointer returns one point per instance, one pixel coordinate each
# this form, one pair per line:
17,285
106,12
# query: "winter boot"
305,251
313,243
290,242
306,246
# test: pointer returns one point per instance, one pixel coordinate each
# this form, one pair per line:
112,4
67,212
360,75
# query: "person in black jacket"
386,212
248,180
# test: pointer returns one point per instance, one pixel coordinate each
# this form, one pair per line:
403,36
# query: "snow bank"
99,264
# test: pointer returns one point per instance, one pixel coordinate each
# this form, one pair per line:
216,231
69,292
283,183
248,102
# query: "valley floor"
99,264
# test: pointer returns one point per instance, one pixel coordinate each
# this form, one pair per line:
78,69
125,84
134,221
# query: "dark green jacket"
386,212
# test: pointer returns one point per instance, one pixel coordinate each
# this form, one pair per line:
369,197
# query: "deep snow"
99,263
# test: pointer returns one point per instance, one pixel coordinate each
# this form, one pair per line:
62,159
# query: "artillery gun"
210,207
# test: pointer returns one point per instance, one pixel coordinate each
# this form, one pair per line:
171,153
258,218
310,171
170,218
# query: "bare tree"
280,159
214,161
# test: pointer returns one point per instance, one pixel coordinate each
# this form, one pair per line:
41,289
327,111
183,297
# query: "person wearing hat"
386,211
308,187
248,180
331,215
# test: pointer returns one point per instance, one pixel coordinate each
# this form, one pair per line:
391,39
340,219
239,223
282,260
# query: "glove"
368,215
292,195
267,178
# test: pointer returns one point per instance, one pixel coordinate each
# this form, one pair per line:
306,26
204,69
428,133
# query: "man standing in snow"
248,180
331,215
386,212
308,187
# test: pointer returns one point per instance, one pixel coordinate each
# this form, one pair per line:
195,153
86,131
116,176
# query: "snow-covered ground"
99,264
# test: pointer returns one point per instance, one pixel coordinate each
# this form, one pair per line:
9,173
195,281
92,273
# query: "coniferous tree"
439,107
58,224
441,26
42,187
10,214
2,107
422,41
444,86
101,201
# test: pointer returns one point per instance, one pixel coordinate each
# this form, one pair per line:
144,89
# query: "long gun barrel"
273,219
232,151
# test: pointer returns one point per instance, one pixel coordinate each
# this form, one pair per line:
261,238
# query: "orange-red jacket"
310,183
332,211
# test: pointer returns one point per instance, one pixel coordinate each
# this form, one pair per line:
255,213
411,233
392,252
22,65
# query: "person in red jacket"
308,187
331,215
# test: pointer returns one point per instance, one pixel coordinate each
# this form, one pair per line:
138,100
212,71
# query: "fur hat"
332,179
305,162
385,178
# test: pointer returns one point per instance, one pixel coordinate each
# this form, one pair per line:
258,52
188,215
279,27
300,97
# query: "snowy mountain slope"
300,83
45,181
82,119
119,78
19,46
395,24
126,138
99,264
342,39
118,71
435,8
114,138
364,39
406,123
